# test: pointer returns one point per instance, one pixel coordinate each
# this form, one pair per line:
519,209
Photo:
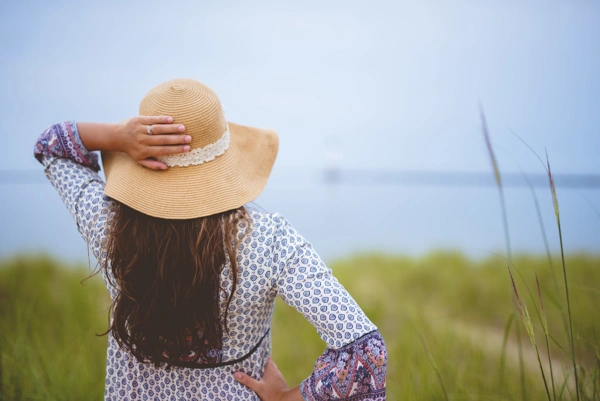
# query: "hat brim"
227,182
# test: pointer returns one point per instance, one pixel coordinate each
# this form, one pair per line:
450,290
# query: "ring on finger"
149,129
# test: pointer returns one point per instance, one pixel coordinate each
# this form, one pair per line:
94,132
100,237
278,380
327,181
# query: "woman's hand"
272,386
132,137
166,139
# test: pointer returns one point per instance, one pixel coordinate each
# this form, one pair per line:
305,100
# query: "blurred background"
383,87
377,105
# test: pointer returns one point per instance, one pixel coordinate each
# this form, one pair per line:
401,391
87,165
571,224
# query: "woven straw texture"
227,182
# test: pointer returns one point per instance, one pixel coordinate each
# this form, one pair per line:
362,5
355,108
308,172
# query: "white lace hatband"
198,155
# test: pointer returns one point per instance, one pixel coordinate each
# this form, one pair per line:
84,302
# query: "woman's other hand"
272,386
144,144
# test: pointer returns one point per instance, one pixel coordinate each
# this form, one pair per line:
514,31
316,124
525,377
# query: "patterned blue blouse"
273,260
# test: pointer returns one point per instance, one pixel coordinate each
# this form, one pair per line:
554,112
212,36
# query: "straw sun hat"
228,164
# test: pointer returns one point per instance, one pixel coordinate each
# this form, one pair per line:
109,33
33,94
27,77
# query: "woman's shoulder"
261,217
269,224
273,230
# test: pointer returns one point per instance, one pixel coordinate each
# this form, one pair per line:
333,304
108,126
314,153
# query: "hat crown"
190,103
227,167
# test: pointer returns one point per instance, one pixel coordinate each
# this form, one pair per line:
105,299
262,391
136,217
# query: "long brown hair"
167,273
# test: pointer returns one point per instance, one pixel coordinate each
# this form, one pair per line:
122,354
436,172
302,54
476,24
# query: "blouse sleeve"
73,171
354,362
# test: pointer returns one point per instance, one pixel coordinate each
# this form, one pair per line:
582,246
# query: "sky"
385,85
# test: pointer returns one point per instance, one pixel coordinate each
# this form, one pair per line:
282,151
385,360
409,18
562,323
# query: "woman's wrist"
293,395
100,136
272,386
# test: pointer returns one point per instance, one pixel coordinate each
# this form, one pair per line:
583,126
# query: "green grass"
48,321
459,307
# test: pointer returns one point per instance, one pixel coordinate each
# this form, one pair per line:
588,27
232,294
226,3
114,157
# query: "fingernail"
237,375
169,119
181,128
186,148
188,139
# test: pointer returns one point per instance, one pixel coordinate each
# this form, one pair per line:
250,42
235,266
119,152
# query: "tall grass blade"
528,146
515,296
531,296
540,220
498,178
553,301
564,269
503,351
523,281
521,363
594,208
567,353
564,386
522,310
435,367
545,327
595,395
596,379
546,245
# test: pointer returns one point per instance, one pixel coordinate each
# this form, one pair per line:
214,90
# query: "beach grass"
458,307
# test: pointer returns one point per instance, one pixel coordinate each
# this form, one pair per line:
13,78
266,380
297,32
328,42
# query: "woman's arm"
353,366
73,172
75,141
66,152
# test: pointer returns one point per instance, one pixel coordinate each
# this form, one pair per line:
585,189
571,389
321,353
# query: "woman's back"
273,259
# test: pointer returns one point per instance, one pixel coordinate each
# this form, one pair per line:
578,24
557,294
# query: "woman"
192,272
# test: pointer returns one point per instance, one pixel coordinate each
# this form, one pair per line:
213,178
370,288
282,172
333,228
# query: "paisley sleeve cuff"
354,372
63,141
